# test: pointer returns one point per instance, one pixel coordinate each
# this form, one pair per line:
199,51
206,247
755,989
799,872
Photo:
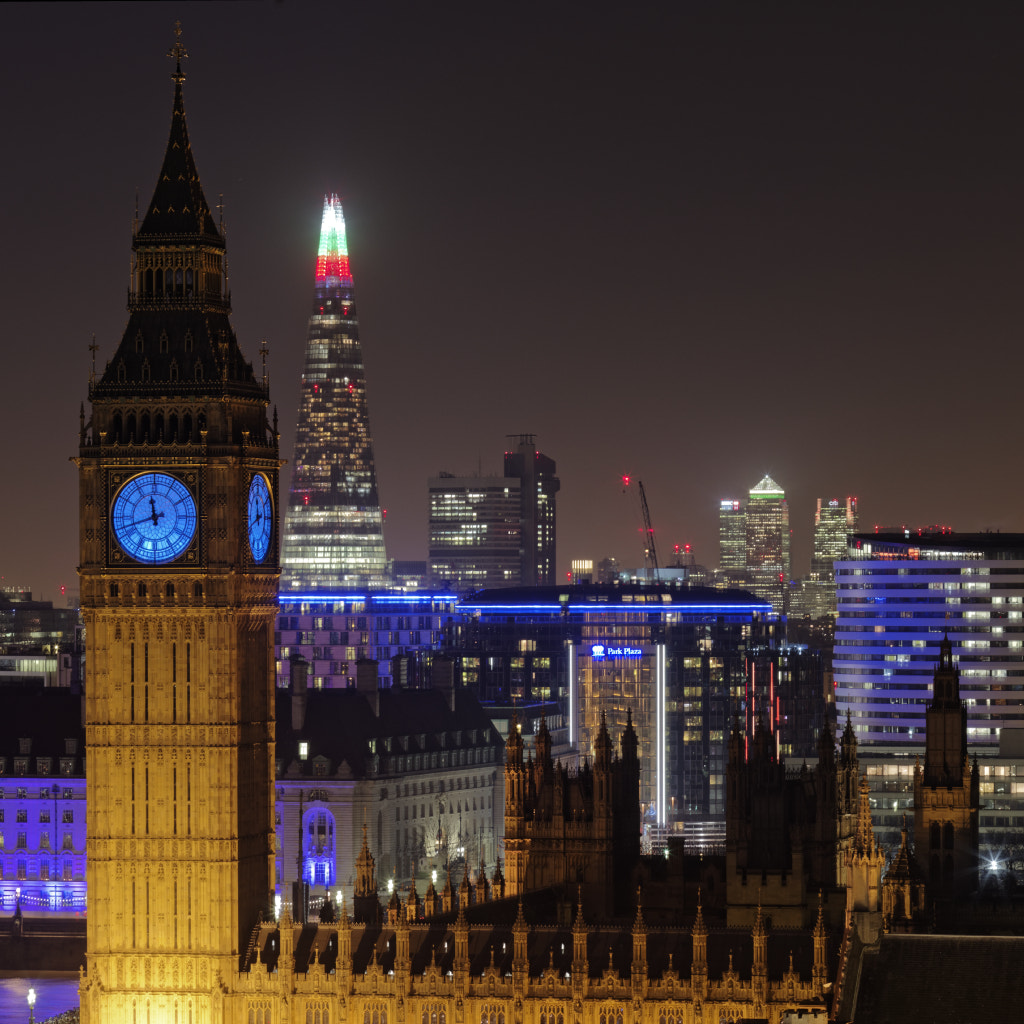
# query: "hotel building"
898,595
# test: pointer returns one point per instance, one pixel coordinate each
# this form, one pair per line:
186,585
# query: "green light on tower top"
766,488
332,266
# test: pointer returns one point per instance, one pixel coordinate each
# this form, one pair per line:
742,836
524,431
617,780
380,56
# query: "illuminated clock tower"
178,494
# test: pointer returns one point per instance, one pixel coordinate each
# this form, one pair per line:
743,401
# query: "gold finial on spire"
177,53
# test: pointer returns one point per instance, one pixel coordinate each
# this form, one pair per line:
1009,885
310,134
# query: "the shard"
333,531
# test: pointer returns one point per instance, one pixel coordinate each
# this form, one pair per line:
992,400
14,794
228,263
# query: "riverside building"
899,595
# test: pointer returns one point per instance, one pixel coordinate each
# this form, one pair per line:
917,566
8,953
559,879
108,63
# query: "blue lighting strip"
659,686
345,597
639,609
572,694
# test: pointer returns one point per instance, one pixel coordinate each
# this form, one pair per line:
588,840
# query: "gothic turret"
366,907
946,797
865,862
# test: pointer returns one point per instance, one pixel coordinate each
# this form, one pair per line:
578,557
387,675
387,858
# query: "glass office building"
495,531
674,660
333,530
898,594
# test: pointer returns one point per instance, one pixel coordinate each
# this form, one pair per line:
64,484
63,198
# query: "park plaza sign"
601,652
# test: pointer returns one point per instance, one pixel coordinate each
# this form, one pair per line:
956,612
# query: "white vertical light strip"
572,694
659,685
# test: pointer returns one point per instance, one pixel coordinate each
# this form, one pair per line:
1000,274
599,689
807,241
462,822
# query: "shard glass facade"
333,531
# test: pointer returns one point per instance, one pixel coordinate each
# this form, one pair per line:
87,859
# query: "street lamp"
31,1006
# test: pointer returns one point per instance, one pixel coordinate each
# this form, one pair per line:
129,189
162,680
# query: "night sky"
693,242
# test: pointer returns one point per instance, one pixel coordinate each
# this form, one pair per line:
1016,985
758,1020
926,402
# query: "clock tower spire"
178,500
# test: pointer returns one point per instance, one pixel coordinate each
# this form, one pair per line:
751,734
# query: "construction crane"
650,551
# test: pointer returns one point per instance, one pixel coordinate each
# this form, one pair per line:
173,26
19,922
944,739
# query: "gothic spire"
178,207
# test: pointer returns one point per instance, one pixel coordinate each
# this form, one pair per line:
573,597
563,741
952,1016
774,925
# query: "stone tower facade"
781,829
576,829
178,490
946,791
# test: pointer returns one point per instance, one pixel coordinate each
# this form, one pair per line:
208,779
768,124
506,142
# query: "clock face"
154,518
261,517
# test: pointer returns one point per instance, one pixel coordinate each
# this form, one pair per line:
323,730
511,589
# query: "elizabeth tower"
178,500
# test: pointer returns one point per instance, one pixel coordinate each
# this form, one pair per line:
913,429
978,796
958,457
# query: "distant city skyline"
761,246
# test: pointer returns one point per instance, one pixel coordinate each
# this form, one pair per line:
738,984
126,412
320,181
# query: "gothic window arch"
144,419
122,372
186,427
612,1015
158,281
933,835
148,286
159,425
317,1013
188,283
172,421
117,427
947,836
169,282
554,1015
130,426
179,283
164,343
145,369
492,1015
375,1013
199,370
139,342
434,1014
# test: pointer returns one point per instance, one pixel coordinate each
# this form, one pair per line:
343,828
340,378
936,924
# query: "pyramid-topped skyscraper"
333,532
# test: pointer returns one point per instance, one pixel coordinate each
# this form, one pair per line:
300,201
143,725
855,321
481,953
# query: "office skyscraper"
833,522
732,536
538,486
767,525
495,531
333,531
899,595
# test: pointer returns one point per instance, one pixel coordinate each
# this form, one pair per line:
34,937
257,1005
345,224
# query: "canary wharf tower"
333,533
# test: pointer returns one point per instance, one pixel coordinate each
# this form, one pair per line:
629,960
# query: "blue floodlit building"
42,801
898,595
332,633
